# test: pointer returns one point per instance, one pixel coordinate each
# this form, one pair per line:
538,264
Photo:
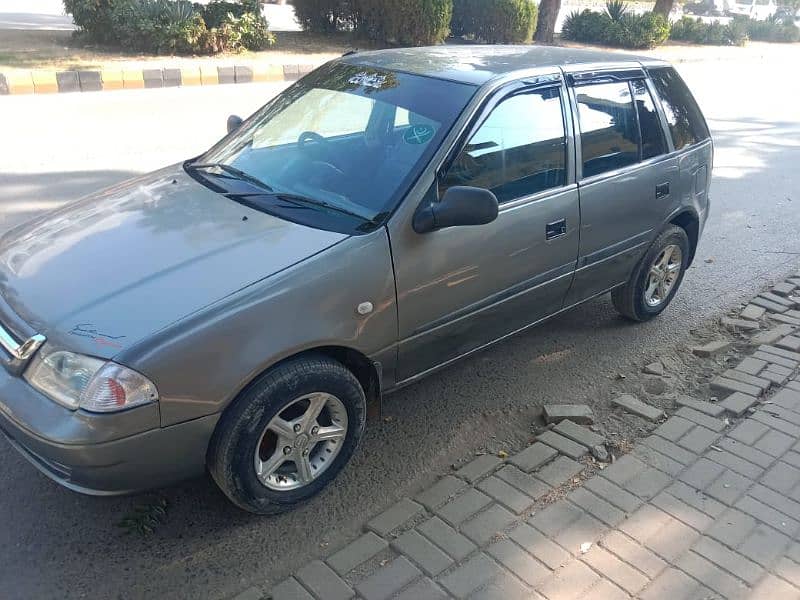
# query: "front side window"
338,148
686,123
653,142
609,131
519,150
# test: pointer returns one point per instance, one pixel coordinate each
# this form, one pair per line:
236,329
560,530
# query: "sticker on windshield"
372,80
419,134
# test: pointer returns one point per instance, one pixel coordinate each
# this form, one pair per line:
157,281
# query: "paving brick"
596,506
562,444
463,506
785,318
424,553
448,539
624,469
533,457
478,467
471,575
622,574
504,587
784,288
519,562
769,305
633,553
773,587
780,424
788,399
424,589
440,492
698,439
711,348
777,369
253,593
764,545
792,458
289,589
487,524
731,561
657,460
555,517
774,443
702,473
578,413
357,552
614,494
388,580
748,431
789,570
759,382
666,447
728,586
394,517
739,324
523,482
782,352
586,529
645,523
505,494
648,483
581,435
680,510
781,477
559,471
725,386
676,585
751,366
776,500
637,407
672,540
604,590
674,428
752,312
569,582
540,546
777,360
790,342
746,452
732,527
709,422
784,414
735,463
696,498
775,377
793,385
766,514
321,580
708,408
777,299
728,487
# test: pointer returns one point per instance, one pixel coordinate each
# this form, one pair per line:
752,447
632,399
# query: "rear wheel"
656,279
288,435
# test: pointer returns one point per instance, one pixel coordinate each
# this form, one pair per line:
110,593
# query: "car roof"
478,64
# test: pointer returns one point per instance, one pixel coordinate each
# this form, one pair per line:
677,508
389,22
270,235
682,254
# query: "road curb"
59,82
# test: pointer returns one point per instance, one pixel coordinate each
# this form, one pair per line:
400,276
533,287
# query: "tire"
631,299
278,399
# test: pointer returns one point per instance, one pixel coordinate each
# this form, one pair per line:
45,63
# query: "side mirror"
234,122
461,205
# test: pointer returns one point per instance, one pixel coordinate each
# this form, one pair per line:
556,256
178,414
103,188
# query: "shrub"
215,12
95,18
715,33
405,22
616,27
772,30
325,16
495,21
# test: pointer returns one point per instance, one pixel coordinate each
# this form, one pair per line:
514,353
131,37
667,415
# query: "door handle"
662,190
555,229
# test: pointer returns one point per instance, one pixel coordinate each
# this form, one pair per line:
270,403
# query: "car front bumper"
94,454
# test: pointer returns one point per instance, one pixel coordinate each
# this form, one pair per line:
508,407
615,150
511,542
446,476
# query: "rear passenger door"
626,176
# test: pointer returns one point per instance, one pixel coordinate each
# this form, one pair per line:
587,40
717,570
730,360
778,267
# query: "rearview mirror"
234,122
461,205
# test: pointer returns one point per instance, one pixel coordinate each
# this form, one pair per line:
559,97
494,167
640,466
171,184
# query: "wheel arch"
690,223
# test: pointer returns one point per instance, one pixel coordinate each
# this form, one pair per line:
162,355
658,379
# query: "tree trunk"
546,25
663,7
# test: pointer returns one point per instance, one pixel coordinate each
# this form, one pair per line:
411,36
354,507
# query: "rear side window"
653,142
686,123
609,129
519,150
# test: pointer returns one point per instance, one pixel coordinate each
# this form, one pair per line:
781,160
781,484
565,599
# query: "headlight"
79,381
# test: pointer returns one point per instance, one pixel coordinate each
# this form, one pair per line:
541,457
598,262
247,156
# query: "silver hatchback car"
386,215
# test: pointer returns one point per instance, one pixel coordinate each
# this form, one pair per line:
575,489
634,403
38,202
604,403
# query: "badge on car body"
364,308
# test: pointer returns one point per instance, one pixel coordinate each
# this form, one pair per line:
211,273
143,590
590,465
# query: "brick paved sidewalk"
708,506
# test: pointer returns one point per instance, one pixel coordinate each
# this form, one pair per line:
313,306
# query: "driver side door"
462,288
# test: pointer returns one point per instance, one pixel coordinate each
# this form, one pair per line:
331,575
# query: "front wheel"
656,279
288,435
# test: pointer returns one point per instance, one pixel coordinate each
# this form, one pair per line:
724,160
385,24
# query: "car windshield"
345,138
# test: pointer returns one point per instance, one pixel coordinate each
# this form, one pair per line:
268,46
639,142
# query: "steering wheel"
307,142
311,137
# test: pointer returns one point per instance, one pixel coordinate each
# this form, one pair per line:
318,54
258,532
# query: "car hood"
101,274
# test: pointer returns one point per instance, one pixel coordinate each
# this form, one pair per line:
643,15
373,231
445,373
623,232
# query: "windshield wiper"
237,173
297,199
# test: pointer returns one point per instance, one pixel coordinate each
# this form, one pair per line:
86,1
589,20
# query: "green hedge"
171,26
405,22
715,33
495,21
325,16
773,30
623,29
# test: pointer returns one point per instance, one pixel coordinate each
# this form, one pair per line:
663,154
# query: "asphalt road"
54,543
